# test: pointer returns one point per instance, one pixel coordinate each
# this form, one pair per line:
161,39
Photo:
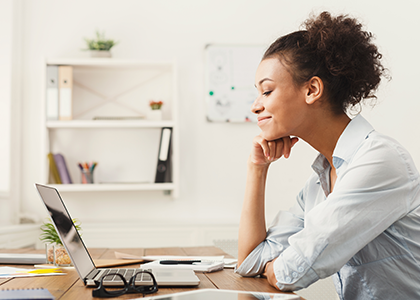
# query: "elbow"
247,271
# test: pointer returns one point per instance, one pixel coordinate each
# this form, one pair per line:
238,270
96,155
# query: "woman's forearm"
252,228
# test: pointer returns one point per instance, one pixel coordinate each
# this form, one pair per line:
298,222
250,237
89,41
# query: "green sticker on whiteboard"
230,76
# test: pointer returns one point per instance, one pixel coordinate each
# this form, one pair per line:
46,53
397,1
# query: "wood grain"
69,287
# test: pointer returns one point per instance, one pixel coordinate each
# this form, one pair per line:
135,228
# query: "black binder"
164,164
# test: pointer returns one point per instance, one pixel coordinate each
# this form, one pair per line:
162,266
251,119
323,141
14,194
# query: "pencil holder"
86,170
49,253
87,177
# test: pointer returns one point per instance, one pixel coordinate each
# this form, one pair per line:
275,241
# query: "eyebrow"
262,80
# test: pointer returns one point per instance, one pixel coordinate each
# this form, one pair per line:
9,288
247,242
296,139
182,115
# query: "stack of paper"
202,264
199,266
9,272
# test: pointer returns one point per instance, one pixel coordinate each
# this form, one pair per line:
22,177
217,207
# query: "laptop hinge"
91,275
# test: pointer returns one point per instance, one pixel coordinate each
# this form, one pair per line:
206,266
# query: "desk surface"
71,287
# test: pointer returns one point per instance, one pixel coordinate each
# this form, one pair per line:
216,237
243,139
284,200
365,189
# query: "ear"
314,90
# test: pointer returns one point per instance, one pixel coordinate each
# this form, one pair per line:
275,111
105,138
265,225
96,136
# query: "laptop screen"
66,230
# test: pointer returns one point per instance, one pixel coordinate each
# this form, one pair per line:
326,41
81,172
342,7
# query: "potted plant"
55,251
155,113
99,46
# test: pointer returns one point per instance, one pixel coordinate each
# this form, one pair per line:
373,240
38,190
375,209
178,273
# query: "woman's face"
280,105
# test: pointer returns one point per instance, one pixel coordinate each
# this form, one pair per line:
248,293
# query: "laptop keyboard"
127,274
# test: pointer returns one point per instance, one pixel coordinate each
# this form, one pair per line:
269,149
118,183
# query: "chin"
271,136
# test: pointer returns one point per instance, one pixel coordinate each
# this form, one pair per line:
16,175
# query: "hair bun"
339,51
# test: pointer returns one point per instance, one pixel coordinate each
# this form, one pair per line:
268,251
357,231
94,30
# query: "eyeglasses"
130,287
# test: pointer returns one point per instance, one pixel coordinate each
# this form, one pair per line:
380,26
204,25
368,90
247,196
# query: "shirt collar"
356,131
353,135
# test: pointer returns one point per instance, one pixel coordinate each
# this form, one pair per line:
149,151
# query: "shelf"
109,124
102,187
108,62
126,149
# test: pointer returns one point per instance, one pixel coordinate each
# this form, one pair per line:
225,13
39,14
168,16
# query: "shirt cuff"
293,272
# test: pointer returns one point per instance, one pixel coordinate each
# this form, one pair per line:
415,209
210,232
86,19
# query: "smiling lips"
262,120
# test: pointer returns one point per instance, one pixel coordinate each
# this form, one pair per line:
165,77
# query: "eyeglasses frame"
129,287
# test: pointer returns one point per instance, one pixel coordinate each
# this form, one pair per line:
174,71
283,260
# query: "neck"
324,132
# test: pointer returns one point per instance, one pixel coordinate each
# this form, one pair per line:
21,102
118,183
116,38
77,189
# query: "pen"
179,262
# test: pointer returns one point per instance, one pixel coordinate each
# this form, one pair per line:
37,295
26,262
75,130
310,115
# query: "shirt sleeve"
285,224
371,193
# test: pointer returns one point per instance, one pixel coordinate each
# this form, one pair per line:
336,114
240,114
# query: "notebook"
26,294
81,258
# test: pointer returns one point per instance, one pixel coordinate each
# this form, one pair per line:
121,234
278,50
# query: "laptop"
81,258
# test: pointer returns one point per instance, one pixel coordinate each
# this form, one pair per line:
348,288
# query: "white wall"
6,21
213,155
7,207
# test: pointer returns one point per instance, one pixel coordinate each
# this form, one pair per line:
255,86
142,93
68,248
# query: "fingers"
280,147
287,146
272,145
266,152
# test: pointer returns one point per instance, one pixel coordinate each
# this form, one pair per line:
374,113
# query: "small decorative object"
155,113
55,251
87,171
61,258
100,47
156,104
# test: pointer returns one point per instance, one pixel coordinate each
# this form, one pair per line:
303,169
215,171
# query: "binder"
54,175
60,162
52,93
65,88
164,163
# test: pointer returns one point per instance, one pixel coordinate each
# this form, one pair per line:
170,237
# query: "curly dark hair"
337,50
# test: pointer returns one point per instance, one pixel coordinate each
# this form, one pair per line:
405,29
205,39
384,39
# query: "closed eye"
267,93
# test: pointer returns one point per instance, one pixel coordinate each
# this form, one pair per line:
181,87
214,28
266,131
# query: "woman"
358,216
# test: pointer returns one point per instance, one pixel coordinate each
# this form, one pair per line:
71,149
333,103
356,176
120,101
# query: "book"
63,172
54,175
37,293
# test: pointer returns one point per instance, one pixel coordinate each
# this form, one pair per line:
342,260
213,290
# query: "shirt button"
301,269
280,247
288,279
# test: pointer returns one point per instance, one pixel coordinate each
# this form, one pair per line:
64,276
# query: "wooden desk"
70,287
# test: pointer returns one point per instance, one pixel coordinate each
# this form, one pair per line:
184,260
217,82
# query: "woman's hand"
265,152
269,274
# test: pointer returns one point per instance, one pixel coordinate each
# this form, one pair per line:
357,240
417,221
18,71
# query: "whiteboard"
229,82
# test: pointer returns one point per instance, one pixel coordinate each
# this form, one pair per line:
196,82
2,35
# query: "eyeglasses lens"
118,285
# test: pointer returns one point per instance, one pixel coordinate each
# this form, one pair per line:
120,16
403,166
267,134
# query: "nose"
257,107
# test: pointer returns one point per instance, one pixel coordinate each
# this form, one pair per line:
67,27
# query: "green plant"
49,234
100,43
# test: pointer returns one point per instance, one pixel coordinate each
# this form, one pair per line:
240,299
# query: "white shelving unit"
126,150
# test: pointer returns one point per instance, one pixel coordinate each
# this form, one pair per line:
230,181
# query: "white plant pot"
154,115
100,53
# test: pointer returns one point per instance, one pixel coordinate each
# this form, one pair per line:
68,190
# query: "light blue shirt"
366,233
